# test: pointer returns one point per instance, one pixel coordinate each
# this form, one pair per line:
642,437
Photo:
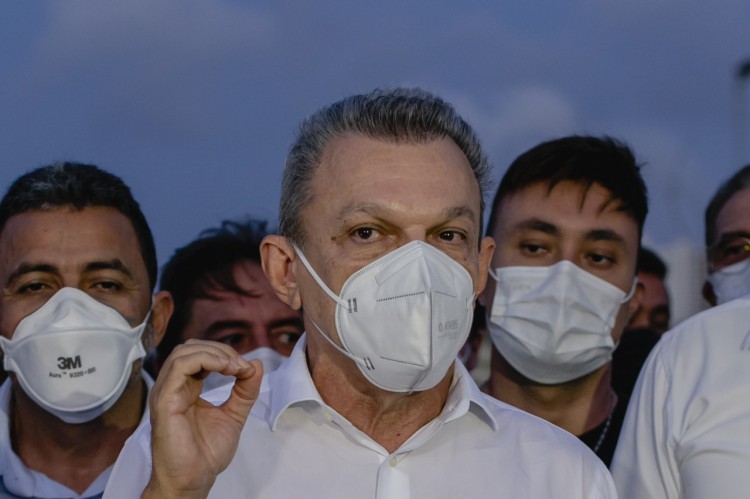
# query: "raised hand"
192,440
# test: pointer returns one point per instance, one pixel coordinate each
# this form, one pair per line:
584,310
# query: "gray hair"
402,115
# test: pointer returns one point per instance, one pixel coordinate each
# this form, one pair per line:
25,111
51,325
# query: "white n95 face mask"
731,282
554,324
73,356
404,317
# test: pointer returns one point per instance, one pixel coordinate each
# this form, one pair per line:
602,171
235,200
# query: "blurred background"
194,103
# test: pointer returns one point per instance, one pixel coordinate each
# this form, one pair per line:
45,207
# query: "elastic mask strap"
493,274
363,362
632,290
320,282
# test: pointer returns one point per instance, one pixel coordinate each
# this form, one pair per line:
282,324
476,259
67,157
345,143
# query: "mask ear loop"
343,303
632,290
346,304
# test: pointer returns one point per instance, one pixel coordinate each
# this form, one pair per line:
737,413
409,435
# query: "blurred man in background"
221,294
727,222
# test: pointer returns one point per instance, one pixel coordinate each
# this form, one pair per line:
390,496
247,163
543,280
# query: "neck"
389,418
576,406
73,454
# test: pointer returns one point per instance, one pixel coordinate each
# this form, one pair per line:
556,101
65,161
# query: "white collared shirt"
19,481
687,430
294,445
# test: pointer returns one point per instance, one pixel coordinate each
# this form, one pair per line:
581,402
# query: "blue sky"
194,103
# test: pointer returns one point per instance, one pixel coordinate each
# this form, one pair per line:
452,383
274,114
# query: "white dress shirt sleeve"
132,470
644,465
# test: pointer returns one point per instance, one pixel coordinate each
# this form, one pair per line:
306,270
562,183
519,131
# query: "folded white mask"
731,282
404,317
74,355
554,324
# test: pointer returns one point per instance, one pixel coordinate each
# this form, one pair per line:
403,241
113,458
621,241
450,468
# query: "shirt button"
393,461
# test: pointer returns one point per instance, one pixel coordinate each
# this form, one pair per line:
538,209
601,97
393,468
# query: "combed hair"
585,160
402,115
737,182
205,266
79,186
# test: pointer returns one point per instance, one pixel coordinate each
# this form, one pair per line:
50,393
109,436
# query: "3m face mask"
554,324
731,282
404,317
73,356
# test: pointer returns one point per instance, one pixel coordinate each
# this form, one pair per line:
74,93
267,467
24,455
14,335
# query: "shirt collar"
292,384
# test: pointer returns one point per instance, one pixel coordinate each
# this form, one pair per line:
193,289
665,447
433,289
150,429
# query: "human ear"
486,251
161,311
277,255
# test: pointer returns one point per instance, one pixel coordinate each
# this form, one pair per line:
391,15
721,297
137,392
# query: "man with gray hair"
78,268
381,247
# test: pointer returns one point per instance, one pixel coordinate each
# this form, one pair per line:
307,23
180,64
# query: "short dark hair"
204,266
737,182
650,263
401,115
79,186
583,159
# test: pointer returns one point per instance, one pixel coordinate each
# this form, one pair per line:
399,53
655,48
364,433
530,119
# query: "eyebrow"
292,321
28,268
114,264
604,235
379,211
220,325
551,229
731,235
538,225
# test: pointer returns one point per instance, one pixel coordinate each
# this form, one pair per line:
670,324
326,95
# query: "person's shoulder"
727,324
529,430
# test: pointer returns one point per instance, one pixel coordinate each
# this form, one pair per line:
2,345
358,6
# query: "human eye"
107,286
735,250
534,249
452,236
364,233
601,259
284,341
234,340
33,287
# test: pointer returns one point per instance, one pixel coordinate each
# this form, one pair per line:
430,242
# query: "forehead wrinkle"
382,212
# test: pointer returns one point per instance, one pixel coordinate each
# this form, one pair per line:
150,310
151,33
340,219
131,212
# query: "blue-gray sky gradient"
194,103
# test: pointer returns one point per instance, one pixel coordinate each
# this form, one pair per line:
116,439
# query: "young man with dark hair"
567,218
